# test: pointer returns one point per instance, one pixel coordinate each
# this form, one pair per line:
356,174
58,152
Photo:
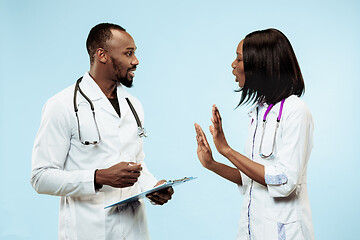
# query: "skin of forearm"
252,169
229,173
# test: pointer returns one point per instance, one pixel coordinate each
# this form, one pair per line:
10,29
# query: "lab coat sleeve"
285,174
50,150
146,180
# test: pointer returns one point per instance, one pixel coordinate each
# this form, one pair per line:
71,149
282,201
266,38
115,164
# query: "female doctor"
272,171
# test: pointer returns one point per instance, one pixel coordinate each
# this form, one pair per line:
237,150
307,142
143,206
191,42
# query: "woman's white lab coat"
281,210
64,167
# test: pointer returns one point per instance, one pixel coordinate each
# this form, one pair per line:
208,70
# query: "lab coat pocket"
282,224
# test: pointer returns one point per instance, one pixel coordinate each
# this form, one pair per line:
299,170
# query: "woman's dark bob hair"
272,72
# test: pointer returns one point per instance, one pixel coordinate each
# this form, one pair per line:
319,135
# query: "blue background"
185,49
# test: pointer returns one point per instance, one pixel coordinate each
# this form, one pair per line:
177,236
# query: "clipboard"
142,195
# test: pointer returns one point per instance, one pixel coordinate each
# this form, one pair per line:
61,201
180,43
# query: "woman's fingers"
216,118
198,134
204,138
216,114
200,137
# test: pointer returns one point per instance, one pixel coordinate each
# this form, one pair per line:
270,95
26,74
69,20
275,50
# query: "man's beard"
123,80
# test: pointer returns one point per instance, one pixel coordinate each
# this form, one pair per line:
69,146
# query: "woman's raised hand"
203,150
217,132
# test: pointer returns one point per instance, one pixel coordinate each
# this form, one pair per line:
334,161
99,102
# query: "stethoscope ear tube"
264,127
77,88
75,94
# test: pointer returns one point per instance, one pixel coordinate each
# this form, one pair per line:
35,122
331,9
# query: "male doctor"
96,158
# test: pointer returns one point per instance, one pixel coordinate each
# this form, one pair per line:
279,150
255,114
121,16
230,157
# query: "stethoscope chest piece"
142,132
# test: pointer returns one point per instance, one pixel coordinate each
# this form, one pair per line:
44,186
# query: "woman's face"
238,65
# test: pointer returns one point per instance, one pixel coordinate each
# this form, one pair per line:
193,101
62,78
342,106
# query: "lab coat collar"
252,112
94,93
274,109
121,92
90,88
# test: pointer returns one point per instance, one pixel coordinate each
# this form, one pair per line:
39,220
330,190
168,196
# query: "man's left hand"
162,196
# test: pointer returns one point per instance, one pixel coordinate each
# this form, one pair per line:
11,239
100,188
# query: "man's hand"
121,175
161,197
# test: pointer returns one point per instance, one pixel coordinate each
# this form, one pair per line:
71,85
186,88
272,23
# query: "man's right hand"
121,175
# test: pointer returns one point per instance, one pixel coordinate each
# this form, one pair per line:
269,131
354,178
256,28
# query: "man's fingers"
134,167
165,195
157,199
170,190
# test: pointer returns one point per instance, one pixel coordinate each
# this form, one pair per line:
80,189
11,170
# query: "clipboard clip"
185,179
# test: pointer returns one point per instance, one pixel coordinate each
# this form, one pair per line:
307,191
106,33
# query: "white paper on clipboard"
141,195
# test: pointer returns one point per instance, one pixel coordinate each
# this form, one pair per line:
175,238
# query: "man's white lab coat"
63,166
281,210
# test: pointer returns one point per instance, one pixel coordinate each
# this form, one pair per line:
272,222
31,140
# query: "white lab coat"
281,210
62,166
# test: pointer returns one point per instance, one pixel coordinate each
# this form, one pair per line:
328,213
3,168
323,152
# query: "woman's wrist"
211,165
225,150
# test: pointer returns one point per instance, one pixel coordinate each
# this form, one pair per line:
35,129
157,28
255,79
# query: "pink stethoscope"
264,126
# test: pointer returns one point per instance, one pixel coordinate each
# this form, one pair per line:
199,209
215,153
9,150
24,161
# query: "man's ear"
101,55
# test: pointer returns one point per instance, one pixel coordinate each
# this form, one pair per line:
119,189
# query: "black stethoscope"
141,130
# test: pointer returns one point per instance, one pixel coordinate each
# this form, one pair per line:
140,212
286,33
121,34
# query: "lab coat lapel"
93,91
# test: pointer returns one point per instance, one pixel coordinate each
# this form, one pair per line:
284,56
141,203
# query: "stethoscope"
141,130
271,155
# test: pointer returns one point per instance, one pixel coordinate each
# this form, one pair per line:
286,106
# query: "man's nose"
135,61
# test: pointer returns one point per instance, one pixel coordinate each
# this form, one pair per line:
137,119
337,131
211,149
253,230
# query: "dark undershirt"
115,103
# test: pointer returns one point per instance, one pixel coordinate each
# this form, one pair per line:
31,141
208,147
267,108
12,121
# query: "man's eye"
130,53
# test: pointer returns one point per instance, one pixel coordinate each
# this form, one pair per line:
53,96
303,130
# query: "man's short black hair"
272,72
99,36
